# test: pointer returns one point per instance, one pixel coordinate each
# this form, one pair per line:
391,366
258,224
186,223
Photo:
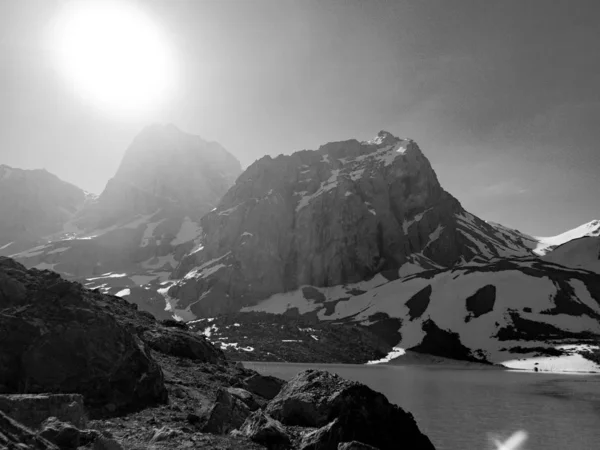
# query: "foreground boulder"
344,411
228,413
55,338
15,436
265,386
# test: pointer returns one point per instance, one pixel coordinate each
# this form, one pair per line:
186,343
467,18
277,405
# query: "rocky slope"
129,239
336,215
150,384
291,338
34,204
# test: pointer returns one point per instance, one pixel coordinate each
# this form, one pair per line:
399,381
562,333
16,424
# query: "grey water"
468,408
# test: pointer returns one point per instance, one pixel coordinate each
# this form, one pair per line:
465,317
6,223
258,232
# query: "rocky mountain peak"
336,215
382,138
164,163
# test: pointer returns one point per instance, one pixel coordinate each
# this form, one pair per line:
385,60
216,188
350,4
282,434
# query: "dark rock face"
266,431
264,386
419,302
176,342
64,435
15,436
292,338
228,413
33,409
482,301
245,397
444,343
57,340
343,411
327,217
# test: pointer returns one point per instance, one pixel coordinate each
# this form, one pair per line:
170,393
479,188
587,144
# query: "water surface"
465,408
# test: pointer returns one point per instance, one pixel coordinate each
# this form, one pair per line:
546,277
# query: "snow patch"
189,231
59,250
326,186
395,353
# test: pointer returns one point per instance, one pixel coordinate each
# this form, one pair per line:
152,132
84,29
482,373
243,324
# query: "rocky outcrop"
56,339
228,413
181,343
15,436
266,431
319,410
264,386
340,214
33,409
290,337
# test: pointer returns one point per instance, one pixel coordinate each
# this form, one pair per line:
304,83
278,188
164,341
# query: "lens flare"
514,442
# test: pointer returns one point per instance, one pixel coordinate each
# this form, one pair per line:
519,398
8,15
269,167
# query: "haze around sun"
113,55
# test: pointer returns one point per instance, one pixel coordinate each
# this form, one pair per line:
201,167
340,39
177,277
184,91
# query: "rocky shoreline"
80,369
265,337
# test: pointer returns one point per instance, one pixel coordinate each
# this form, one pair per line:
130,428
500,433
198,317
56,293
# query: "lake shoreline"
411,358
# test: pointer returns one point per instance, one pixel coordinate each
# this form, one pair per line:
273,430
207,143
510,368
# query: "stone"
265,386
344,411
245,397
16,436
266,431
33,409
228,413
164,434
63,435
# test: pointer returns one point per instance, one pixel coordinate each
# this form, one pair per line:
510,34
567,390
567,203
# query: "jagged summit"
384,138
166,162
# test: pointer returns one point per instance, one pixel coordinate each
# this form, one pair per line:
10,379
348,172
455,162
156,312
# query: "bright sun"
114,55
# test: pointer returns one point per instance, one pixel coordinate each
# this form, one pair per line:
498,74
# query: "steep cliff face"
336,215
34,204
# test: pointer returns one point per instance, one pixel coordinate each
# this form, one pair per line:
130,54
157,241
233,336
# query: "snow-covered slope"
499,312
548,244
581,253
543,245
578,248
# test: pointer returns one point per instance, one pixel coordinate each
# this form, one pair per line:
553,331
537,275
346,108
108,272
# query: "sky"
502,97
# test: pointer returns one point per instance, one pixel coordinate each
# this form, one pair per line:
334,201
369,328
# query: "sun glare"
113,55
